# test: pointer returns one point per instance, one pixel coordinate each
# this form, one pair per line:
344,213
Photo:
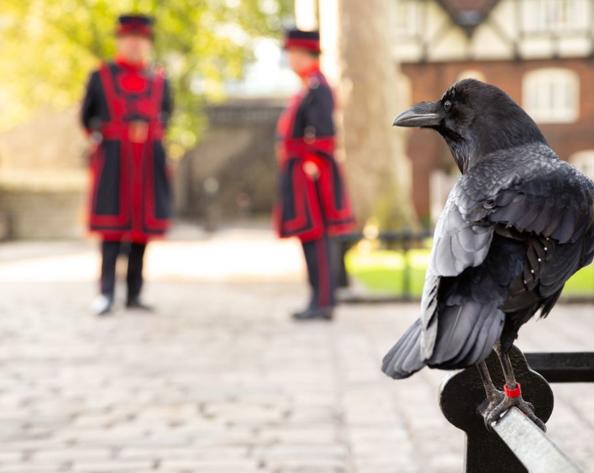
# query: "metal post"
531,446
461,397
406,273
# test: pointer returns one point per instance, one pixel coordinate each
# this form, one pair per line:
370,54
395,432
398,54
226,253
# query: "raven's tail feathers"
466,335
404,359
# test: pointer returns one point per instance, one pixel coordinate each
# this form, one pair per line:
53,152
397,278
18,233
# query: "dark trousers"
109,253
321,271
342,277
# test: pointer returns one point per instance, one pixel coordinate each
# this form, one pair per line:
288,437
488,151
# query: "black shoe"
321,313
103,305
136,304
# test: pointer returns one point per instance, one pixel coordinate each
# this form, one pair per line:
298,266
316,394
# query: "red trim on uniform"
301,146
115,104
121,131
300,212
341,229
116,108
513,393
137,177
285,124
303,43
151,219
328,191
316,228
135,29
309,71
127,64
316,209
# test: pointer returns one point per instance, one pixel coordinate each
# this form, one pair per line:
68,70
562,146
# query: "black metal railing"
563,367
514,444
400,241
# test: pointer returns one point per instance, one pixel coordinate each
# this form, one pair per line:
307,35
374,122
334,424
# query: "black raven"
517,224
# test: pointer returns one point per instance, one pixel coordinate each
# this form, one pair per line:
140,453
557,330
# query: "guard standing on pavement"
125,112
313,203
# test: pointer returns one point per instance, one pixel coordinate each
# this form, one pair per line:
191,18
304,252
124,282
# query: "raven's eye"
447,106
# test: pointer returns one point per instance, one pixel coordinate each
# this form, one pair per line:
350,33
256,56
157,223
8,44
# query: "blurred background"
219,370
230,79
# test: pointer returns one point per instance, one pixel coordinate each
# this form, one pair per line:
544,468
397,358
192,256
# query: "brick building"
539,51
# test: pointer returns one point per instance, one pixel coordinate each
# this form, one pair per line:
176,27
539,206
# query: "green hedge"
382,272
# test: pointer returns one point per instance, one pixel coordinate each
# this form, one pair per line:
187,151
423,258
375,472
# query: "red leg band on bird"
514,392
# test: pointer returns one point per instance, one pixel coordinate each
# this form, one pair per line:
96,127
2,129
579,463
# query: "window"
584,161
554,15
471,74
407,18
551,95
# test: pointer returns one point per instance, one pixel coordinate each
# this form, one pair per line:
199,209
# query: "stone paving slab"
219,380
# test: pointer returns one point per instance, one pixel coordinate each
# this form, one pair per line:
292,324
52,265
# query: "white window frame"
541,16
407,18
551,95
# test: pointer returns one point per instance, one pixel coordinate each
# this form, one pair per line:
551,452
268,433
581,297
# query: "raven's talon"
492,415
495,399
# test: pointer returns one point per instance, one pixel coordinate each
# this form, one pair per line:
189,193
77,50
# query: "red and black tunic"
128,107
313,198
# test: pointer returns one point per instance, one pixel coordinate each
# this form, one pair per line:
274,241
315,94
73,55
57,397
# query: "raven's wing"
552,211
548,205
546,197
458,244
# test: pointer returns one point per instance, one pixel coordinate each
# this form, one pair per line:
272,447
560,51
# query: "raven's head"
475,119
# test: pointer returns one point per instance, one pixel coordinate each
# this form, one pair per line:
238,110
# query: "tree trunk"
359,60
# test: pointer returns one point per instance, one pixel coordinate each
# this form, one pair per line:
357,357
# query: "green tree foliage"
48,47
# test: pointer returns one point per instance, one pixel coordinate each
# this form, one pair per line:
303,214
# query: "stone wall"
232,172
43,178
30,213
51,141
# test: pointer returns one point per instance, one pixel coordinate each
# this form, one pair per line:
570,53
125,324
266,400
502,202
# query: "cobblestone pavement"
220,381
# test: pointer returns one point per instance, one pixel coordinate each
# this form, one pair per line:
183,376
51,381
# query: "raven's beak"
424,114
